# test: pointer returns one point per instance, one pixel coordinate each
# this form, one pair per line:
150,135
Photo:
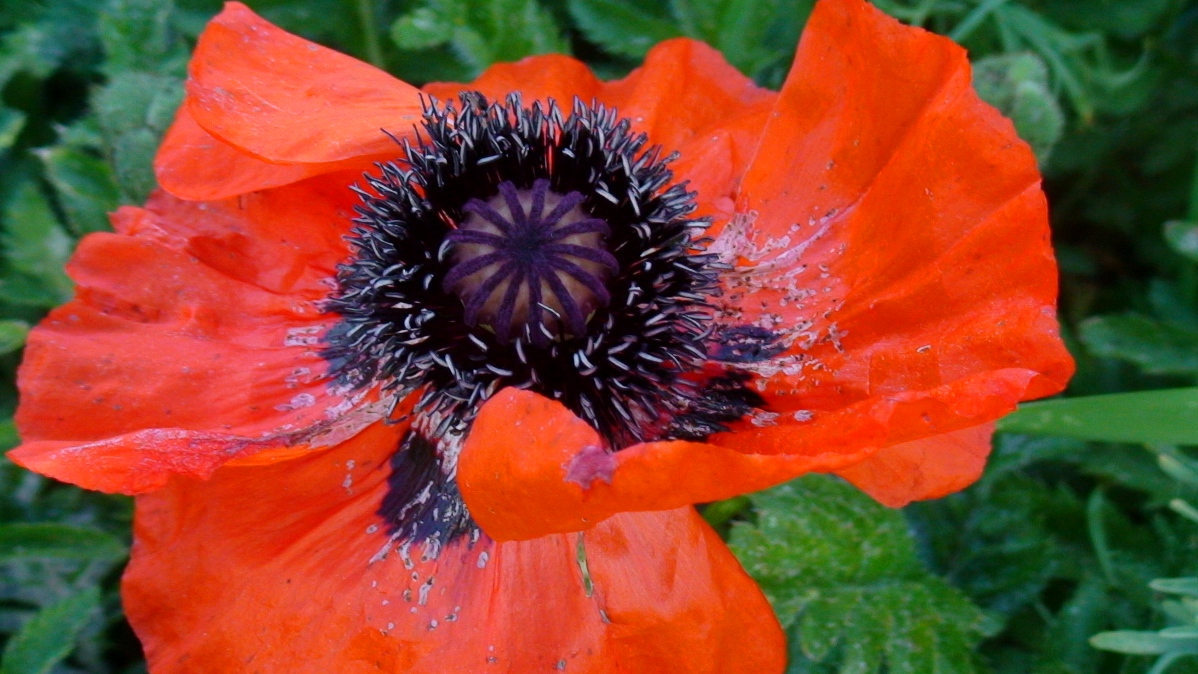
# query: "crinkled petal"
266,108
536,78
530,467
684,89
282,98
892,249
193,164
690,100
893,293
193,339
923,469
290,568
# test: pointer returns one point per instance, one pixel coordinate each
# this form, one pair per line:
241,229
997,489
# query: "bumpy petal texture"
193,340
893,292
289,567
269,108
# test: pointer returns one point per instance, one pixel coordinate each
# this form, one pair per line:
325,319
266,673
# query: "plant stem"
370,31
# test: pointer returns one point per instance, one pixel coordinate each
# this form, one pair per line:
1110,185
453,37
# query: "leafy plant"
1075,529
1180,638
844,577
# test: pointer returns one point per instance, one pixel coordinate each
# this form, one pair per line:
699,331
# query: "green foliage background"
1083,523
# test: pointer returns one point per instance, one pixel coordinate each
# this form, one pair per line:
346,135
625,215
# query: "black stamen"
521,246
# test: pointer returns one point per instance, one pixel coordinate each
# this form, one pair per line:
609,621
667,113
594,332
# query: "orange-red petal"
536,78
266,108
195,165
282,98
690,100
531,467
894,239
923,469
193,339
289,567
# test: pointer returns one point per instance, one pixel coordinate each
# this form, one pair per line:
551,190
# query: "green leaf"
742,33
34,242
1018,85
12,335
482,32
1182,236
11,123
621,27
842,573
752,34
1125,18
133,160
134,111
134,100
23,540
1186,586
1159,348
423,28
1188,632
9,437
1163,416
993,541
137,35
85,187
1134,643
49,636
61,31
1081,616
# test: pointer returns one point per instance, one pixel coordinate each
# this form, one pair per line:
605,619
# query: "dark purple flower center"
530,260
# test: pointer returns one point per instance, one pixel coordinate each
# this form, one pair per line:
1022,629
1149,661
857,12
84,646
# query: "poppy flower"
429,380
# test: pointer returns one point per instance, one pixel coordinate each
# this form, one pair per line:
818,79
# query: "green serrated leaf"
843,571
482,32
12,335
129,98
85,186
993,541
1159,348
34,242
1182,236
697,18
25,290
61,34
23,540
49,636
621,27
134,110
82,134
742,30
138,35
133,160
